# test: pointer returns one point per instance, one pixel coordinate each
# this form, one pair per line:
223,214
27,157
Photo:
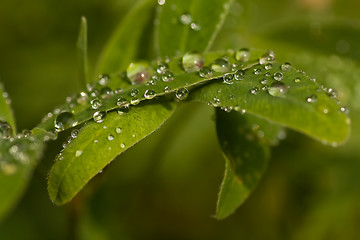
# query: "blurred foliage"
165,187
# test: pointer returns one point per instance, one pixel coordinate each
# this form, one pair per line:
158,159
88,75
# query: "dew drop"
64,120
139,72
104,80
278,76
254,90
82,98
74,133
228,78
257,71
135,101
122,145
134,92
185,18
267,74
149,94
192,61
242,55
161,68
123,110
264,81
6,130
206,72
220,65
110,137
182,93
239,75
312,98
277,89
195,26
99,116
268,66
161,2
168,76
167,89
344,109
285,67
121,102
95,103
118,130
297,80
268,57
78,153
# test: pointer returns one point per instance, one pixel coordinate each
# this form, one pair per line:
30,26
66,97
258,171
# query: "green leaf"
124,45
82,52
18,157
191,25
244,141
7,120
296,101
97,144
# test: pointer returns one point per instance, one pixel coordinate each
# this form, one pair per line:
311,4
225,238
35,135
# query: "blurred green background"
166,186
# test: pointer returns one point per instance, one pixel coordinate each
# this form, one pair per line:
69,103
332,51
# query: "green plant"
255,98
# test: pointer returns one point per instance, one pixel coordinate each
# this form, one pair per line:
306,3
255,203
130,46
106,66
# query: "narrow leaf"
190,24
97,144
124,45
82,52
7,120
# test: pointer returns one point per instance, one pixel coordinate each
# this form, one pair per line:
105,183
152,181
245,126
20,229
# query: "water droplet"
264,81
96,140
168,76
64,120
220,65
134,92
122,145
161,68
311,79
216,102
254,90
135,101
121,102
139,72
206,72
123,110
242,55
185,18
268,66
228,78
192,61
82,98
110,137
78,153
344,110
278,76
285,67
267,74
297,80
74,133
149,94
312,98
277,89
161,2
195,26
182,93
99,116
167,89
239,75
268,57
257,71
6,130
104,80
118,130
95,103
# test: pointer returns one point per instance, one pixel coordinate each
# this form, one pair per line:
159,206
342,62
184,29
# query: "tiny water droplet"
99,116
6,130
104,80
268,66
118,130
242,55
277,89
149,94
122,145
182,93
8,168
297,80
139,72
185,18
192,61
268,57
121,102
257,71
64,120
123,110
285,67
228,78
168,76
78,153
167,89
95,103
82,98
195,26
254,90
118,91
134,92
110,137
278,76
264,81
239,75
220,65
206,72
74,133
312,98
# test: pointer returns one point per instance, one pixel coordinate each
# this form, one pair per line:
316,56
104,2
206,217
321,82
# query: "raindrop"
228,78
185,19
139,72
257,71
149,94
110,137
192,61
118,130
182,93
168,76
312,98
64,120
205,72
99,116
103,80
242,55
6,130
195,26
285,67
277,89
220,65
95,103
239,75
278,76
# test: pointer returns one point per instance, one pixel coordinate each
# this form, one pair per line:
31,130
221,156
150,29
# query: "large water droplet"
257,71
64,120
182,93
242,55
192,61
277,89
254,90
6,130
228,78
139,72
106,92
99,116
206,72
278,76
220,65
149,94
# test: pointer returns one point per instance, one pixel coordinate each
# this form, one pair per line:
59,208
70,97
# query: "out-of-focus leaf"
184,25
293,100
7,120
97,144
18,157
124,45
82,52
